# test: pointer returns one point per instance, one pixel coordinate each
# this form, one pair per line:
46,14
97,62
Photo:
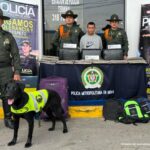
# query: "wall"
39,3
133,20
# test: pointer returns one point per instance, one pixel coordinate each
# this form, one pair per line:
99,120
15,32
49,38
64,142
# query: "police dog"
17,99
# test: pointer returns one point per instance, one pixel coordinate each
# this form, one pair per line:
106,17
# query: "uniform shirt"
9,52
29,65
91,42
72,35
117,36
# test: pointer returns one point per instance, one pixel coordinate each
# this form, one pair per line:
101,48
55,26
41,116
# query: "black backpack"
132,113
111,109
145,106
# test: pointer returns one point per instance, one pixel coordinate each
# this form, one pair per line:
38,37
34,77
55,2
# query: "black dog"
17,98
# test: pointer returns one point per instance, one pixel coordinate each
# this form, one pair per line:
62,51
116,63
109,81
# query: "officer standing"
9,66
70,32
115,35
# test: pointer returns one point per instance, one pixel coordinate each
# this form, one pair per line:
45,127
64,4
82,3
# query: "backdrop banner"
145,40
145,32
24,27
99,81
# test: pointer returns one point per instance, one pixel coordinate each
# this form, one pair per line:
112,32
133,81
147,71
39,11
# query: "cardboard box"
85,111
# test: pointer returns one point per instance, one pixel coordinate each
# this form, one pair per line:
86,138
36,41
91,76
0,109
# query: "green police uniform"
67,34
9,56
116,36
36,102
9,64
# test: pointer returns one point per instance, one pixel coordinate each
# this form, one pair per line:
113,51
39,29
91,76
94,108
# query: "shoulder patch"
119,33
6,41
76,30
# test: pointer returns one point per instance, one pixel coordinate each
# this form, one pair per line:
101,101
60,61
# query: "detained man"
91,40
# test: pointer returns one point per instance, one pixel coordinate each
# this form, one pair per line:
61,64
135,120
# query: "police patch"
39,98
6,41
76,31
119,33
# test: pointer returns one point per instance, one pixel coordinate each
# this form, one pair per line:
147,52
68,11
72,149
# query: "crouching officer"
115,35
9,67
69,32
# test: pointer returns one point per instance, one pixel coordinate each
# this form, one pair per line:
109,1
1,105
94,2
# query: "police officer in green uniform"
70,32
115,35
9,66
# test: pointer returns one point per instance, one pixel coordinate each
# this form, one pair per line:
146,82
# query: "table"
99,81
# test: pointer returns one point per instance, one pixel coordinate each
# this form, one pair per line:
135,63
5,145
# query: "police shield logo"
39,98
26,109
119,34
92,77
6,41
76,31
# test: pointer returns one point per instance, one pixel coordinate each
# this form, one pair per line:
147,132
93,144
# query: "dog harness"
36,102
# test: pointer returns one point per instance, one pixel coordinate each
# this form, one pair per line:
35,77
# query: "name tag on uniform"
69,45
114,46
93,57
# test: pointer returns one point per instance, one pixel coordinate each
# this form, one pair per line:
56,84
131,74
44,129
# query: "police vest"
62,33
36,102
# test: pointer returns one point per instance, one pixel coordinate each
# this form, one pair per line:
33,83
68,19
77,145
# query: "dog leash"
39,120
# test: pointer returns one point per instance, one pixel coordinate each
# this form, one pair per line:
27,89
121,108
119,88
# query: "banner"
99,81
145,32
24,27
145,40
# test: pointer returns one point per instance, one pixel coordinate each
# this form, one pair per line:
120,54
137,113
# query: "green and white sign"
92,77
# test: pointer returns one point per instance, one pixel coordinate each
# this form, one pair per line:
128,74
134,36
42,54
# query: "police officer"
28,61
115,35
70,32
9,66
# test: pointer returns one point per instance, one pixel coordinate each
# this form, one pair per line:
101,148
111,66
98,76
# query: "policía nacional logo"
39,98
92,77
6,41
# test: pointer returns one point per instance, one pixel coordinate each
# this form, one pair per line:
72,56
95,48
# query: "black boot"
7,115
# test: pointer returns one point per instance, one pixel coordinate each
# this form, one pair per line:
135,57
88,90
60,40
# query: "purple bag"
59,85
